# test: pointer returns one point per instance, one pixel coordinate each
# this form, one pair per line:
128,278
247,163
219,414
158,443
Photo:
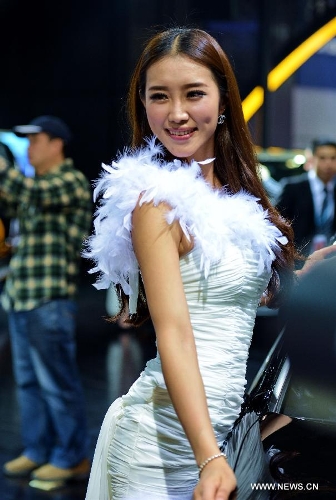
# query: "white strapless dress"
142,452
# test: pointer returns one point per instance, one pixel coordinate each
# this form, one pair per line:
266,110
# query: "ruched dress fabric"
142,452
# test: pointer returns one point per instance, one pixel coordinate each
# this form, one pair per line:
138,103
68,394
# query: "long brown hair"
236,165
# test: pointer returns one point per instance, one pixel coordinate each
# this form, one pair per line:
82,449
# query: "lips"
181,133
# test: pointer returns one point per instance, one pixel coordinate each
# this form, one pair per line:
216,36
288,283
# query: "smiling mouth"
181,133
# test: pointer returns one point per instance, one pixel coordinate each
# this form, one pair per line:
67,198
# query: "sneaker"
21,466
49,472
47,485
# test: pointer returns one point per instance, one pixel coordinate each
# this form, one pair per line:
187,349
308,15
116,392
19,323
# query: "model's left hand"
217,482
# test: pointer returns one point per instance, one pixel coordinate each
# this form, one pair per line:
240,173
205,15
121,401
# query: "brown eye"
196,93
158,96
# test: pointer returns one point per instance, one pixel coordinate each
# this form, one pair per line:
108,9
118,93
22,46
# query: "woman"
188,210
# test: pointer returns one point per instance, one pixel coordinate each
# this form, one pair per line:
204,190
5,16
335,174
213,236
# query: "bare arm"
316,257
157,246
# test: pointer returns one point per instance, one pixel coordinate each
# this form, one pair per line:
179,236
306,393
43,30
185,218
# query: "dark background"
73,58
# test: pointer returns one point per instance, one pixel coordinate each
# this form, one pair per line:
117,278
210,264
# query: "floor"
109,359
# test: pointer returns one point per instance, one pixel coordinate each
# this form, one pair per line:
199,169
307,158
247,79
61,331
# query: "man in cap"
54,210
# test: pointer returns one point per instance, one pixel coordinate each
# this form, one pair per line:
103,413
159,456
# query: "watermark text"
284,486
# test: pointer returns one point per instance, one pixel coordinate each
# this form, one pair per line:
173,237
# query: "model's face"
325,162
182,103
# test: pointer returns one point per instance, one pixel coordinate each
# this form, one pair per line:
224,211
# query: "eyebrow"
187,86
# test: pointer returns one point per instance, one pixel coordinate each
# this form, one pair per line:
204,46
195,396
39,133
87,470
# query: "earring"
221,119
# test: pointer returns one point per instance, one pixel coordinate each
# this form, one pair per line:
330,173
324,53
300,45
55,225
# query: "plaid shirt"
54,212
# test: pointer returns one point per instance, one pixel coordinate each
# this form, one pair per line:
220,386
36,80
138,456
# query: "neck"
48,167
208,173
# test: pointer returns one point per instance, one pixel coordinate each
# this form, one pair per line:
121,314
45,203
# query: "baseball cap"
49,124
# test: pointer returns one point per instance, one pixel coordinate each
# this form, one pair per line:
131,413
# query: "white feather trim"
212,218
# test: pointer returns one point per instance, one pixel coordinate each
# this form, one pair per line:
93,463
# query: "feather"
214,219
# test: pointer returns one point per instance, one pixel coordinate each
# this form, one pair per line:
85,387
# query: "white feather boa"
212,218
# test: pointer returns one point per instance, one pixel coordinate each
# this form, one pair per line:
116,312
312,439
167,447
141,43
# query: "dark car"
294,392
282,162
277,163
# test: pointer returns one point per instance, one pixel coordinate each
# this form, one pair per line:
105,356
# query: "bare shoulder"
156,246
150,228
150,219
149,210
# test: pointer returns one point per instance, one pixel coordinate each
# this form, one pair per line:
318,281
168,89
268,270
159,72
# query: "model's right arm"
158,246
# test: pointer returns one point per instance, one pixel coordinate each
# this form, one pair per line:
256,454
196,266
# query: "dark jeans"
49,390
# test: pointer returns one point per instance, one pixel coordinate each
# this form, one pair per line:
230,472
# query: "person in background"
54,210
6,157
206,253
308,200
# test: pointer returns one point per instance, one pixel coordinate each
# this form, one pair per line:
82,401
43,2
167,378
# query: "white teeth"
180,132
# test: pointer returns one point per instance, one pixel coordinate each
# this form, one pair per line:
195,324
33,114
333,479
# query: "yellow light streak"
253,102
278,75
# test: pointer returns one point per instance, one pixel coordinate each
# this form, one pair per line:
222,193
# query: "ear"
142,99
222,108
222,105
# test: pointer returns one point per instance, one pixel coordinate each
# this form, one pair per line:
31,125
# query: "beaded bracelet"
203,464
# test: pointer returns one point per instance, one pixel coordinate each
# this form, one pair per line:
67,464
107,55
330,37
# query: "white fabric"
142,452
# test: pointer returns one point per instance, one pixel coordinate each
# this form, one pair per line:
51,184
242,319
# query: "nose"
178,112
